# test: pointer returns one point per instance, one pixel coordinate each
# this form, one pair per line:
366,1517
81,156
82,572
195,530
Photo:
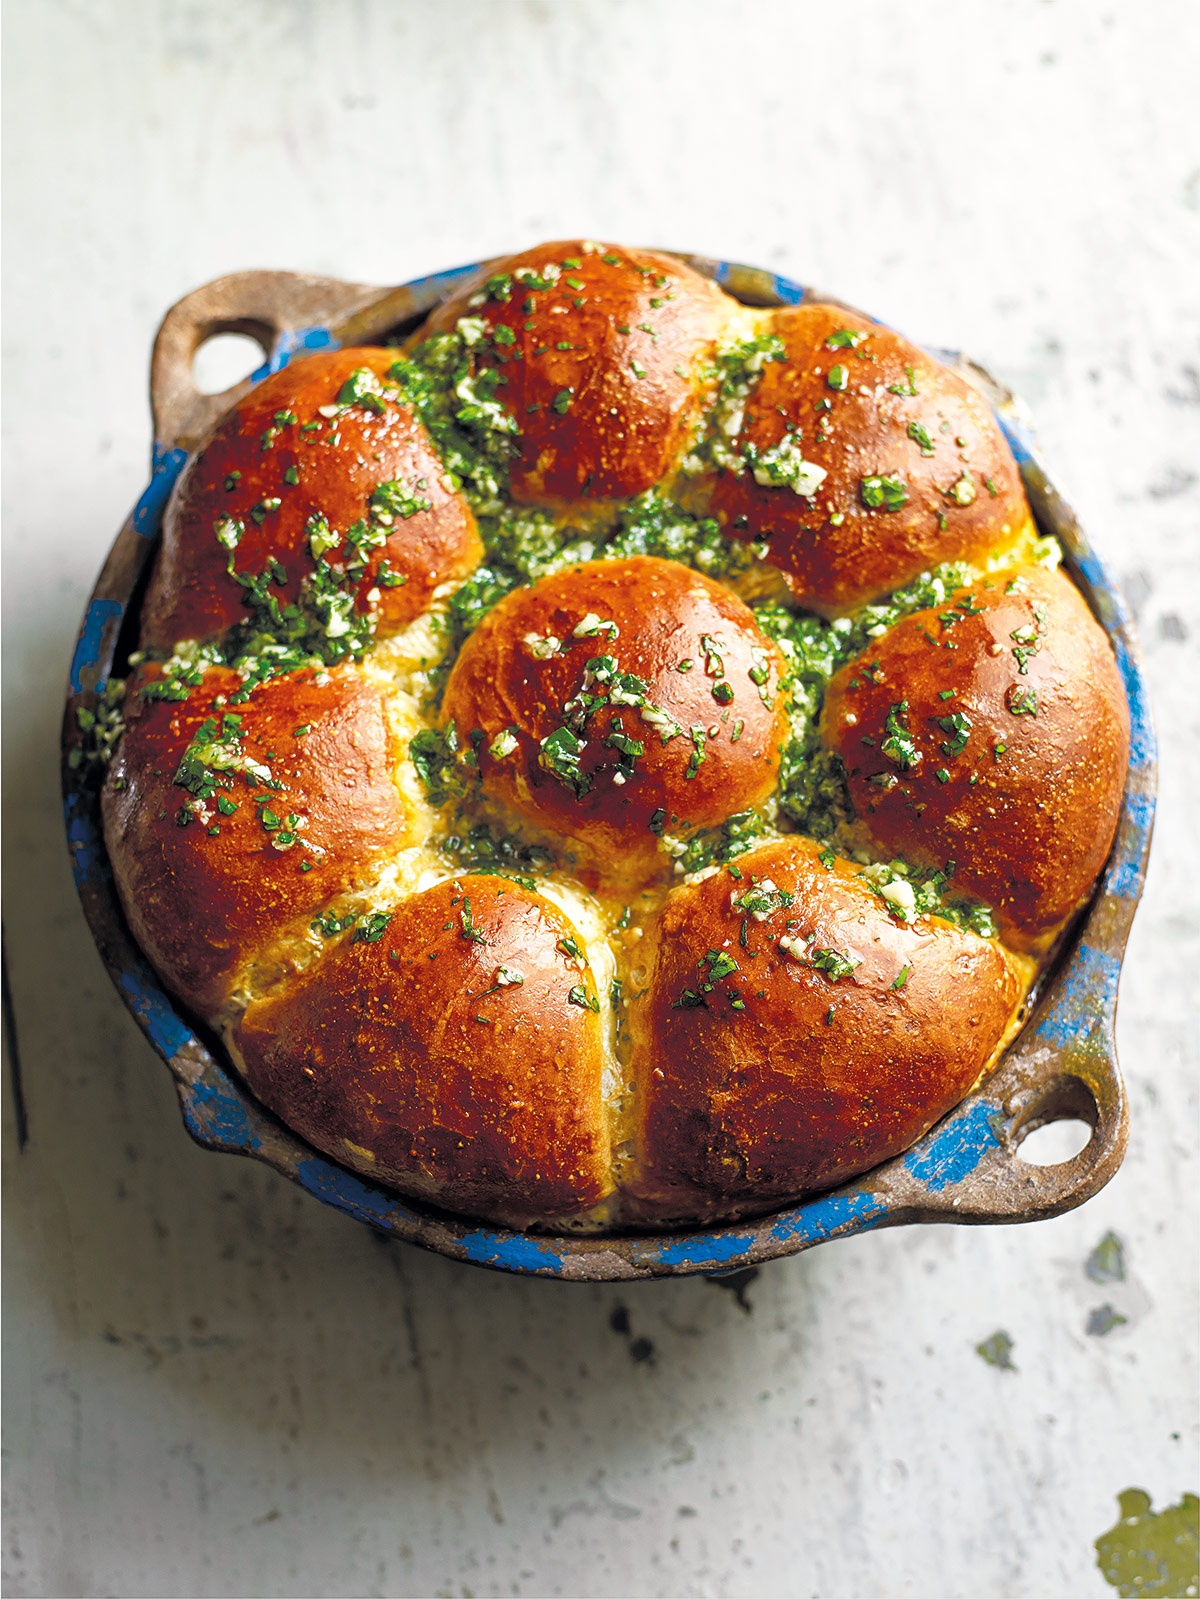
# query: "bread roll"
300,472
795,1033
600,356
993,734
228,823
459,1052
616,700
911,465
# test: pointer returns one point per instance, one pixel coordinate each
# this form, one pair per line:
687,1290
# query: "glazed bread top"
598,694
619,756
276,471
605,365
915,471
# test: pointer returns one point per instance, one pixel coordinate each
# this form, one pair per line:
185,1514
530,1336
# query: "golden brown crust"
338,462
603,374
726,706
420,1059
866,430
818,1077
1028,807
202,904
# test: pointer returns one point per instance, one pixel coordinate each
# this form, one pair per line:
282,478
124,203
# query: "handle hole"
1057,1125
1054,1142
224,357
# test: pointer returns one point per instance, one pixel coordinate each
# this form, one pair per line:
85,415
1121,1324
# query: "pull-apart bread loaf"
619,757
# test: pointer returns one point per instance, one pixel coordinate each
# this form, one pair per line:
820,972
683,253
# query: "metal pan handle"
275,309
970,1170
284,312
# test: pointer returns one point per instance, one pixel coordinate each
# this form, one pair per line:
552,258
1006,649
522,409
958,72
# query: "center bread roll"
616,758
615,702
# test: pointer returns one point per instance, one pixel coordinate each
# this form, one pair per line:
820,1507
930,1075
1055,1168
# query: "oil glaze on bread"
653,635
271,468
1016,746
795,1033
916,470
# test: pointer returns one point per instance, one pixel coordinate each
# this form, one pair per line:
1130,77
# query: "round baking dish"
967,1169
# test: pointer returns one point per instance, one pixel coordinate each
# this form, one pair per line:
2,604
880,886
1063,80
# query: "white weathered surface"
216,1386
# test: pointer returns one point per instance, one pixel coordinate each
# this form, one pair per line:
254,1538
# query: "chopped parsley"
559,755
919,436
735,373
698,756
651,524
212,757
371,928
100,726
467,927
834,963
718,845
885,492
438,757
761,900
478,849
910,892
392,499
783,466
719,965
714,967
958,726
1027,641
898,743
368,927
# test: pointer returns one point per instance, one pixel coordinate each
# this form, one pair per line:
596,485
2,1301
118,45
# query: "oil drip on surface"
1152,1554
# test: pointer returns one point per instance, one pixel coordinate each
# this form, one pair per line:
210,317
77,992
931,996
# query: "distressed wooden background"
216,1386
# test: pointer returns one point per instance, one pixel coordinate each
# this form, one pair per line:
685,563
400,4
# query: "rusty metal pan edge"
965,1170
